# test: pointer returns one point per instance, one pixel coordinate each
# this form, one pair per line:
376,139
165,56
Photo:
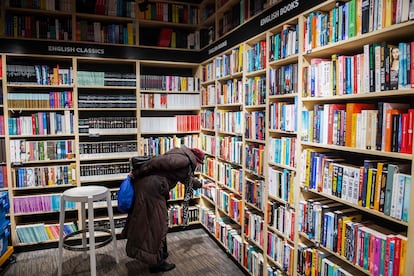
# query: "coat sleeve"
196,183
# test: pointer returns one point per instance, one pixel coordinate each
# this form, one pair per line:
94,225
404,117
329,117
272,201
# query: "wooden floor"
193,251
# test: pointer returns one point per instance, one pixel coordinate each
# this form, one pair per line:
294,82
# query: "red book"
412,64
331,122
404,134
410,131
164,38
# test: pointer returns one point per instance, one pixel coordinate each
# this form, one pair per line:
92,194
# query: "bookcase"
169,97
167,24
328,185
76,121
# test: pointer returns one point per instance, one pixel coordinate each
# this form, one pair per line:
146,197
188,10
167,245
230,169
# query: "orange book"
352,108
389,127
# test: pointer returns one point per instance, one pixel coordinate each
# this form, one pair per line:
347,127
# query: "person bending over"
147,223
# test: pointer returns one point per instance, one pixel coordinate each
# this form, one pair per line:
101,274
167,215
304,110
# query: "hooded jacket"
148,221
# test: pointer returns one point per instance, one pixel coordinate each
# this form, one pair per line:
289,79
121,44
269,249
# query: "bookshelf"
309,170
76,121
162,24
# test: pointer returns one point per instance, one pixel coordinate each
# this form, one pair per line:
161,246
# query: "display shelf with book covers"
356,167
40,134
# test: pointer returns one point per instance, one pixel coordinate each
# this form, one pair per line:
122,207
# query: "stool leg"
111,221
91,236
61,225
83,223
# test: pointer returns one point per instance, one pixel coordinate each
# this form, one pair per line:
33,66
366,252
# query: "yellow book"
354,129
378,185
388,13
403,251
355,218
241,49
130,28
49,232
369,187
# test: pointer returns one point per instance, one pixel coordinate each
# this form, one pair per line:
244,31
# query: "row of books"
151,146
282,151
255,158
380,67
168,12
107,101
207,119
40,74
42,123
281,218
230,149
254,192
209,167
170,101
361,242
119,8
169,83
4,183
52,5
386,126
103,32
208,144
40,203
178,123
41,232
104,169
255,91
227,232
26,151
229,64
256,56
349,19
39,27
254,227
209,96
44,176
377,184
106,147
230,204
175,215
312,260
229,176
281,184
283,80
61,99
94,78
228,92
117,123
285,43
228,121
255,122
283,116
281,252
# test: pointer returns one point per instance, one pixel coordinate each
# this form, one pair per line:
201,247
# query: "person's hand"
208,185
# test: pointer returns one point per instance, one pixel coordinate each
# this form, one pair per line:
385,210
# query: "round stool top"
84,192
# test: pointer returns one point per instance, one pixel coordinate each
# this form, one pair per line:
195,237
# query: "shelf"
364,209
396,155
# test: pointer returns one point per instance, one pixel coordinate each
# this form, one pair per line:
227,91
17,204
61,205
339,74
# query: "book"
353,108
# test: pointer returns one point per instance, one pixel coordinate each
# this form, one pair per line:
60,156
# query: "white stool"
86,194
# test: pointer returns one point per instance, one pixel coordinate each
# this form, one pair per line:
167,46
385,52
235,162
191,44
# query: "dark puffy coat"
147,223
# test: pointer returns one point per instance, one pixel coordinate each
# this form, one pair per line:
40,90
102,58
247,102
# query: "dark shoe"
161,267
